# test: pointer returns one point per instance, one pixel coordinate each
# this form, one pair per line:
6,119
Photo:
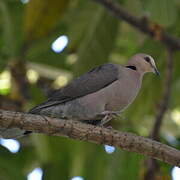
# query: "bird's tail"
12,133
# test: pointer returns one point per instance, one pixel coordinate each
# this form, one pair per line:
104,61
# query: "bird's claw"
107,116
115,113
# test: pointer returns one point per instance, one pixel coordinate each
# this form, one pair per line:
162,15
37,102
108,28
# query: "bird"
99,95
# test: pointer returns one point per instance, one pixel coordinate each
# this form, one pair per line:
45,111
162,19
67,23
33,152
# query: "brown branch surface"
142,24
85,132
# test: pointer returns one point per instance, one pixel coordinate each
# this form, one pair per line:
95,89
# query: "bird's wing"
90,82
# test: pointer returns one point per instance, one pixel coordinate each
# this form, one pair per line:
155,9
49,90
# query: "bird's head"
144,63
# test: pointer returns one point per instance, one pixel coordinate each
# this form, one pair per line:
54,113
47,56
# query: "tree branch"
166,96
152,165
85,132
142,24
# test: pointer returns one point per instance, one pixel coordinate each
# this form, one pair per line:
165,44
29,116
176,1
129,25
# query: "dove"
100,94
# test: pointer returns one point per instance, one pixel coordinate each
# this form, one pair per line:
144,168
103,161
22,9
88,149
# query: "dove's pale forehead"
142,58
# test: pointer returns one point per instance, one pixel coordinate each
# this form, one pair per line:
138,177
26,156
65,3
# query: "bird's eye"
147,59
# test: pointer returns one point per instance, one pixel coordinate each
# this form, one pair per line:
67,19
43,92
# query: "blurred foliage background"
44,44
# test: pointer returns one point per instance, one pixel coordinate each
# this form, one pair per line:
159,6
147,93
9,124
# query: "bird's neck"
132,67
135,68
138,75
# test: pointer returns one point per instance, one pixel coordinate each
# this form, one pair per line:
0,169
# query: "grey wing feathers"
90,82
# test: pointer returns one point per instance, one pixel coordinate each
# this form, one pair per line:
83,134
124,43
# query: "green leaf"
123,165
161,11
98,41
41,17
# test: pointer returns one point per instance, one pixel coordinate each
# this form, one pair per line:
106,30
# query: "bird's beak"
155,71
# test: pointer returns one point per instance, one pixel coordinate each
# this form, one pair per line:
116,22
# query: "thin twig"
166,96
152,164
20,84
90,133
142,24
157,32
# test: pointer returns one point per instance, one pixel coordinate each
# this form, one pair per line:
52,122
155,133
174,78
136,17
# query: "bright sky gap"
36,174
24,1
59,44
175,173
11,144
77,178
109,149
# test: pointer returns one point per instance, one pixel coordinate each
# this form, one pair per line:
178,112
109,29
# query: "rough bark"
85,132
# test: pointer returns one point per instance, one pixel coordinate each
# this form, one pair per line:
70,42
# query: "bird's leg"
105,120
108,116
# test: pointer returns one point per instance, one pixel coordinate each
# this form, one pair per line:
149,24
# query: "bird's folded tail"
12,133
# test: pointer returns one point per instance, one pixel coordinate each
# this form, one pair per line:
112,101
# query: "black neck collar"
132,67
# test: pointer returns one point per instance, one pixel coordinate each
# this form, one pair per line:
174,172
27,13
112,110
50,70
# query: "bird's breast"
124,92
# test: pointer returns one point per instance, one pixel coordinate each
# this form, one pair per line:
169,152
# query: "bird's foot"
108,116
112,113
109,127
